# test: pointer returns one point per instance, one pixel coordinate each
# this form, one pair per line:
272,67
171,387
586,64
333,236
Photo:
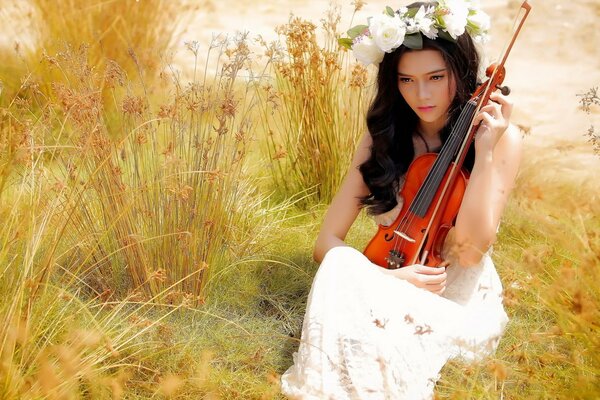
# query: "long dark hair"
391,121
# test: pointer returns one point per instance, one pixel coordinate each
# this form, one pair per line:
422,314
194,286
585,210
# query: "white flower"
481,38
480,20
473,4
423,21
387,32
366,51
456,19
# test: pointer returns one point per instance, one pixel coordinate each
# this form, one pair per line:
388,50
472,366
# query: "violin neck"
459,132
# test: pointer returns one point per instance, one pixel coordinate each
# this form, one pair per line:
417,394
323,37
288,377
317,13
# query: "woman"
376,333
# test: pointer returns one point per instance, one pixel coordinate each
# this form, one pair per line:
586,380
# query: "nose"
424,91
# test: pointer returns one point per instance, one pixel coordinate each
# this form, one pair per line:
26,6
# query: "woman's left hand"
494,118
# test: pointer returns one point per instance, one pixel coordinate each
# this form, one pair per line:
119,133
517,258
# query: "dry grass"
112,222
128,32
547,257
139,259
314,110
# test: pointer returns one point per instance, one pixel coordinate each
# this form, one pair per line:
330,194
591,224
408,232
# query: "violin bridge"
405,236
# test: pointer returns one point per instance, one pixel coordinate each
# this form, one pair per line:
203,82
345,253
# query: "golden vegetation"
139,257
315,109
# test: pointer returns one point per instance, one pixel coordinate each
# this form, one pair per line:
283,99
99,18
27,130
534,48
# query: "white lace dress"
369,335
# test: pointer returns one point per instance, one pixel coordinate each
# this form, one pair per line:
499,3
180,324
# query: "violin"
435,185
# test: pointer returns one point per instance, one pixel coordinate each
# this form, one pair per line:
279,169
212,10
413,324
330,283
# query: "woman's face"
427,85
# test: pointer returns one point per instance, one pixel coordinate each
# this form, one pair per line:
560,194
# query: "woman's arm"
345,206
497,155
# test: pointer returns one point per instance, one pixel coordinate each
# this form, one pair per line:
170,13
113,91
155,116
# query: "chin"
430,118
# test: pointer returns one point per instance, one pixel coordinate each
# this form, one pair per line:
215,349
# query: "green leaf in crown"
446,36
413,41
345,42
357,31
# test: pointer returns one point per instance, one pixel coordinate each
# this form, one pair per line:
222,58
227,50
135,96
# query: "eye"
437,77
404,80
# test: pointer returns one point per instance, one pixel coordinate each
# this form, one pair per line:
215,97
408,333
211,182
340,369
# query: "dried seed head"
358,5
358,77
83,107
228,106
114,74
280,153
134,105
167,111
160,275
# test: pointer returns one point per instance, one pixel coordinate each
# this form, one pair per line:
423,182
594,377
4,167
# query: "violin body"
392,247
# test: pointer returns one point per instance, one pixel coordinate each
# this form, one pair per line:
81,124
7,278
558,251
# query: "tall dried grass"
129,32
166,205
113,29
51,343
117,226
99,226
314,111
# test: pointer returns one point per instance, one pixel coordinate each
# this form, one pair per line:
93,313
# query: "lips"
426,108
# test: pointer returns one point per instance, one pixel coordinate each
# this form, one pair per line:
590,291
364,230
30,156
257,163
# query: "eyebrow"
428,73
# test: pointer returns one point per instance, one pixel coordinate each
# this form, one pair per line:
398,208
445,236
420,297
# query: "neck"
432,129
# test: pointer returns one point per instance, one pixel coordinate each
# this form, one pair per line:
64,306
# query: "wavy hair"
391,121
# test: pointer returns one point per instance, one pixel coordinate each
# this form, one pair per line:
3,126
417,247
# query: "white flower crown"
448,19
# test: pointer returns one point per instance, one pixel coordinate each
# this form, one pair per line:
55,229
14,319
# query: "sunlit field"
156,227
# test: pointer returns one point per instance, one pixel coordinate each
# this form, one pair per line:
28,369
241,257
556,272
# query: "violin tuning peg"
505,90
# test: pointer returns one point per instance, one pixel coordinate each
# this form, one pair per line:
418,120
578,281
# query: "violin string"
436,173
440,168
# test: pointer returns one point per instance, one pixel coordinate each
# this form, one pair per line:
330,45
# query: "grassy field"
156,234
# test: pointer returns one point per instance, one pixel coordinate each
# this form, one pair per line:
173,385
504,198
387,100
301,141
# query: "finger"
476,120
488,121
440,292
492,109
481,118
425,270
483,129
501,99
505,103
434,279
434,288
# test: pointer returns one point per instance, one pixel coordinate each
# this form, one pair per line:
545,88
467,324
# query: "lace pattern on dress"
368,335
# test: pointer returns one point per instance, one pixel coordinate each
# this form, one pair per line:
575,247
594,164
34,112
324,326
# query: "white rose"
456,19
480,20
366,51
387,32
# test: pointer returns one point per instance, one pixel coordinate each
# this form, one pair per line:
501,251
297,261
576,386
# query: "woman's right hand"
422,276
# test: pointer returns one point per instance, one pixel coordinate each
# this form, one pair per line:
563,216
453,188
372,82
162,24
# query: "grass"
156,240
128,32
547,257
313,110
